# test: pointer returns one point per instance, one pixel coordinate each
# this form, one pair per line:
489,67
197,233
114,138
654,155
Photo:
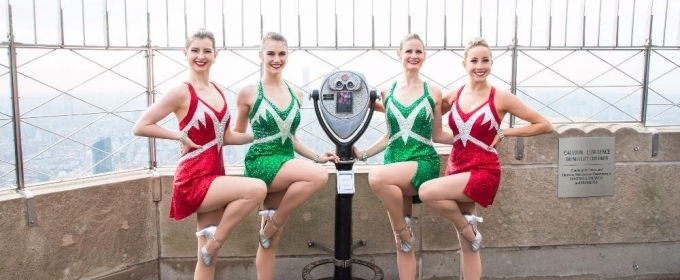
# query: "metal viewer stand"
344,106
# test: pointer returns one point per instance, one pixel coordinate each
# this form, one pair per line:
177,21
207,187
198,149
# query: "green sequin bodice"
409,128
273,132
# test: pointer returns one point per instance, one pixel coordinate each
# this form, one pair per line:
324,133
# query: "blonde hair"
273,36
476,42
200,34
409,37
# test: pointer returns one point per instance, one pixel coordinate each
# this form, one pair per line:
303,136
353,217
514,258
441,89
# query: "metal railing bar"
663,40
544,105
34,59
170,78
83,114
545,67
125,14
64,138
35,26
111,68
616,66
611,105
66,91
662,96
246,59
106,23
82,17
577,86
664,74
238,81
666,58
599,22
338,66
551,86
340,48
170,58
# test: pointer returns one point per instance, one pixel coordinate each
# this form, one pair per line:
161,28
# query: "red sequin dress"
199,167
473,132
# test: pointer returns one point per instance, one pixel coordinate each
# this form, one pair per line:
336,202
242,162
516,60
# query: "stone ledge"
633,144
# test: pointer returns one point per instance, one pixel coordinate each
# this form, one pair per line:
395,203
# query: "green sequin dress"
273,132
410,131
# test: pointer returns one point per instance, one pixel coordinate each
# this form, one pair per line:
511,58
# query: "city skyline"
130,152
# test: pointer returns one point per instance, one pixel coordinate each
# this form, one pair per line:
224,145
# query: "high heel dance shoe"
268,215
406,246
209,233
476,243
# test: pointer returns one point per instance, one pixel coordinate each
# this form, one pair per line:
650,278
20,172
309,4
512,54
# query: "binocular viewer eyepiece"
344,106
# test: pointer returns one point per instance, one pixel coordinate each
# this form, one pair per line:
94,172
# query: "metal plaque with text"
586,166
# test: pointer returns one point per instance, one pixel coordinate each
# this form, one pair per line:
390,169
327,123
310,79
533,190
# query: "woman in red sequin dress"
473,171
200,185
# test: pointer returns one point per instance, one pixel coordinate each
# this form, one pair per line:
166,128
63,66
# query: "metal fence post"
16,115
29,203
645,77
150,89
513,77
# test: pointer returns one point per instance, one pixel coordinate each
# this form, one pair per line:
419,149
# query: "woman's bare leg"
392,184
226,204
472,261
443,195
202,221
406,262
295,183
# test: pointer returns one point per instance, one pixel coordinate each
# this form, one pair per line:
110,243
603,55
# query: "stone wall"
109,227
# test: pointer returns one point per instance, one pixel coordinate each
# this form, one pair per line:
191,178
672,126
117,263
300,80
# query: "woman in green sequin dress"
413,116
273,108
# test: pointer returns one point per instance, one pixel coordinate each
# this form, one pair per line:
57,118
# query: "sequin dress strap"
293,95
193,103
389,94
491,95
224,99
192,91
457,95
426,91
258,101
492,104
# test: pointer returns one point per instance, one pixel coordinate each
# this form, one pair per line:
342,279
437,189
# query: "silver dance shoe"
406,246
209,233
472,220
268,215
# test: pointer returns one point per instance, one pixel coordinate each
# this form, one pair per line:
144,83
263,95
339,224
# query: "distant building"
101,156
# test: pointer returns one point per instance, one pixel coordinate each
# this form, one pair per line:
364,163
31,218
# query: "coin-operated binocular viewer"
344,106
